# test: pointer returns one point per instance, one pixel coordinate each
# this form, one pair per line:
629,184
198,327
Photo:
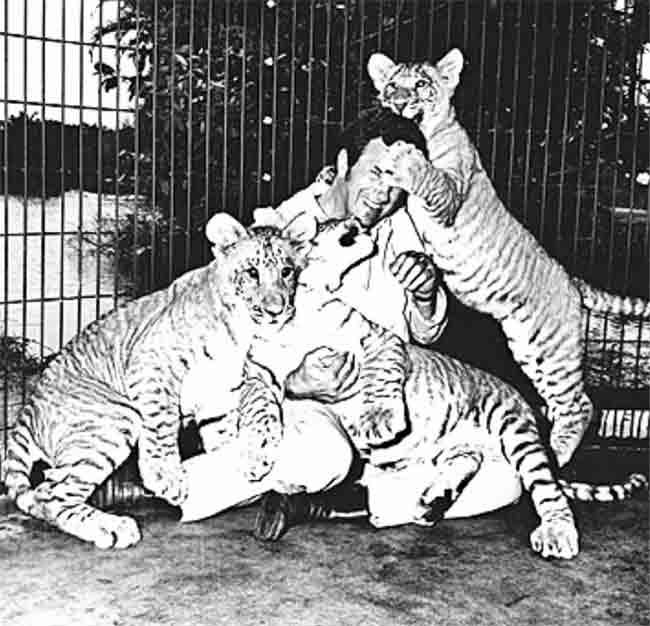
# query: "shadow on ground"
464,572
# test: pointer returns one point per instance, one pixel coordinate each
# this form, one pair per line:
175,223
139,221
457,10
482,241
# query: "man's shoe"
278,511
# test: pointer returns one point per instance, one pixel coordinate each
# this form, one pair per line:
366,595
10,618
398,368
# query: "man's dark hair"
374,123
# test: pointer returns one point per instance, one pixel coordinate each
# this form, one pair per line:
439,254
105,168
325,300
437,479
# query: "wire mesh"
147,116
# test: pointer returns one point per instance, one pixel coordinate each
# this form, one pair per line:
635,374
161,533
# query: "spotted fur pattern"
119,382
457,416
374,412
489,260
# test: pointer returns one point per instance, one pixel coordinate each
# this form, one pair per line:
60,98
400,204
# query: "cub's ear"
380,69
301,230
223,230
267,216
450,67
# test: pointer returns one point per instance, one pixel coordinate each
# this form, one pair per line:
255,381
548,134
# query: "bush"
17,354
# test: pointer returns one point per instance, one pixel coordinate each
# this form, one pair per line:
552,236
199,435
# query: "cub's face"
259,266
260,271
412,90
338,246
417,91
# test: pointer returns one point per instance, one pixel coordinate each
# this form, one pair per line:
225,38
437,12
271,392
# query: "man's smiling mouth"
371,204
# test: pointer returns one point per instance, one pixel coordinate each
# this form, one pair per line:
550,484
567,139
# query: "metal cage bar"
172,147
100,168
80,147
242,116
513,105
190,107
5,172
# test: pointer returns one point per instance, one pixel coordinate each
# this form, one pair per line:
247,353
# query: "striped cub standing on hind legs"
490,261
119,383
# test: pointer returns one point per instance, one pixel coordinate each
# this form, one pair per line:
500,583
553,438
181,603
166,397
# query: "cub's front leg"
159,458
405,166
259,427
385,368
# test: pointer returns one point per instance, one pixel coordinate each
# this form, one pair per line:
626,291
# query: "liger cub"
119,383
457,415
489,260
129,377
374,409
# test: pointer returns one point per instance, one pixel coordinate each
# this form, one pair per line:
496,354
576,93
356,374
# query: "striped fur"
588,492
118,384
457,416
605,302
460,416
490,261
321,320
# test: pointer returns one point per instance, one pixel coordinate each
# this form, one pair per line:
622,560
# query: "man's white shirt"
370,287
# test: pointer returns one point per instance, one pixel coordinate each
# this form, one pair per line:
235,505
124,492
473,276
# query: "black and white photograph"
324,312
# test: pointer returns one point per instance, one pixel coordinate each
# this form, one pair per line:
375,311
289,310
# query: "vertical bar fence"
149,116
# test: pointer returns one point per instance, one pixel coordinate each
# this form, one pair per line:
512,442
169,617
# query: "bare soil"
475,572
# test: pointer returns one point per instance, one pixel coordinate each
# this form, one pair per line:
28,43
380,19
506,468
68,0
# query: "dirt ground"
474,572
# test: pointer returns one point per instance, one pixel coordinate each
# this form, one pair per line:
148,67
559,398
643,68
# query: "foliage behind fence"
239,104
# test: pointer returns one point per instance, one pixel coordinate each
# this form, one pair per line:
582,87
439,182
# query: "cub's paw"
382,423
216,434
555,538
257,466
114,531
165,481
258,455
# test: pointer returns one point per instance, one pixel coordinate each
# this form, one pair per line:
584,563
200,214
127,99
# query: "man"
399,288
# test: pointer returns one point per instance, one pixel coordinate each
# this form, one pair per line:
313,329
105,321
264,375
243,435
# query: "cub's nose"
274,304
348,237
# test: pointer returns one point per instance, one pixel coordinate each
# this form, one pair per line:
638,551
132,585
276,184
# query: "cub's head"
417,91
336,246
258,267
339,246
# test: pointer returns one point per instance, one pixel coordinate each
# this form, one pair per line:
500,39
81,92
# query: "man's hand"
416,272
324,375
405,166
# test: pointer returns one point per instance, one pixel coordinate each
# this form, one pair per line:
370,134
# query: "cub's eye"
421,84
253,273
286,271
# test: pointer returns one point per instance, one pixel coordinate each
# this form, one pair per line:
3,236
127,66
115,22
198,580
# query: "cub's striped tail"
605,302
604,493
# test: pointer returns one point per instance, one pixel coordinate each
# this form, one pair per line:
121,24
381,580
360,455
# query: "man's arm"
426,300
427,319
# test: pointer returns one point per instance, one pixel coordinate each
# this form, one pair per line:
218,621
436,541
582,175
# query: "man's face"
369,199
